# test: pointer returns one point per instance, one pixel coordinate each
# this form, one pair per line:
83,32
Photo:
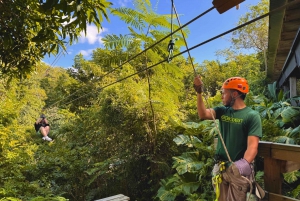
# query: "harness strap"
217,179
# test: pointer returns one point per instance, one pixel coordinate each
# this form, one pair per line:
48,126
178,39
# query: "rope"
240,26
172,41
64,98
130,59
159,41
172,18
185,42
220,35
200,44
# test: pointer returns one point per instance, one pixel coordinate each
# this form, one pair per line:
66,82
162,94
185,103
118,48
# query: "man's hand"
198,85
243,166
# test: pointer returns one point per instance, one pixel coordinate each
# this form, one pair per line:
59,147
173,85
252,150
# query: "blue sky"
202,29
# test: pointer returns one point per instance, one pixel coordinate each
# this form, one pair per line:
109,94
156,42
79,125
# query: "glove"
243,167
198,85
198,88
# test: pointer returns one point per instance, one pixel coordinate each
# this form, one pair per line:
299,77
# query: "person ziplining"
41,125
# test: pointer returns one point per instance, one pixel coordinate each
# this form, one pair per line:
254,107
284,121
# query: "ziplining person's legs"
45,131
42,125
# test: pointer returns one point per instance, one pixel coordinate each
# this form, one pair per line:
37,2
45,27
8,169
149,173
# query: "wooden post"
272,175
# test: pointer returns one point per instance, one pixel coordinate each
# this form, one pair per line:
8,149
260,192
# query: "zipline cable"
220,35
195,73
151,46
159,41
240,26
200,44
172,41
184,39
172,18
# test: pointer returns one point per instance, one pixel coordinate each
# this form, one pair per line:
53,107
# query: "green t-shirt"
235,127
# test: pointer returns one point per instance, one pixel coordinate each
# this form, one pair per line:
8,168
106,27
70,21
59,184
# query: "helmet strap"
233,99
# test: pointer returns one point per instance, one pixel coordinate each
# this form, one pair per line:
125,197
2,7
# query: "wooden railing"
278,159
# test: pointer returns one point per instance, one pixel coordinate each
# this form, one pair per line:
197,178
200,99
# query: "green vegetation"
139,136
32,28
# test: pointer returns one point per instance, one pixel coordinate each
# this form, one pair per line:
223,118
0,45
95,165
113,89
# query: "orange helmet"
237,83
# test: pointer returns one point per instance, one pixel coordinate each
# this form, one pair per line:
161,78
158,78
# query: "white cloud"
86,53
124,3
92,35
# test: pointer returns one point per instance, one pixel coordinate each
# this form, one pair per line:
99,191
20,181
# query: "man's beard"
229,103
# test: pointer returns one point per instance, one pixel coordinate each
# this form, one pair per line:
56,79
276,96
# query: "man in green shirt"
240,128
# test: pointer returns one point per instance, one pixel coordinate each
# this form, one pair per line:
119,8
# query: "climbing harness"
217,178
171,49
219,168
172,41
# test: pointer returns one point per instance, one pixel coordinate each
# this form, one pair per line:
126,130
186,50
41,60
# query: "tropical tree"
214,73
255,35
30,29
21,103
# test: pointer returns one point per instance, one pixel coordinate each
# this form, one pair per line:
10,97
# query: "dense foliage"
29,29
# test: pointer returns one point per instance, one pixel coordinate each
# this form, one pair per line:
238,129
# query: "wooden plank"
119,197
285,152
288,35
289,147
272,176
285,44
264,149
291,25
292,14
286,155
279,151
276,197
290,166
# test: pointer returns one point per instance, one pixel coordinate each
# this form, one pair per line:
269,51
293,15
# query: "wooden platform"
119,197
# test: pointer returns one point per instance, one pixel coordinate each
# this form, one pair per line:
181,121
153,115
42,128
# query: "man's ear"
236,93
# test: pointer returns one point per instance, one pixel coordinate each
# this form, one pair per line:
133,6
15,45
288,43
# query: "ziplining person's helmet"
42,116
237,83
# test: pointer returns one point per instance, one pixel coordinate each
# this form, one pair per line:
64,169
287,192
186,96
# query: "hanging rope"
185,51
185,42
159,41
172,41
195,73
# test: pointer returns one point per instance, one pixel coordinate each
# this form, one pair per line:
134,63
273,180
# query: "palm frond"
113,41
131,17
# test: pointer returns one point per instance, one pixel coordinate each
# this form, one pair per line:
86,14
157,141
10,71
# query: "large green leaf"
188,187
272,91
289,114
187,163
187,140
166,195
291,177
284,140
295,133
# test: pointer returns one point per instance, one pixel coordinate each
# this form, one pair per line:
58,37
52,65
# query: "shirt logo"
231,119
